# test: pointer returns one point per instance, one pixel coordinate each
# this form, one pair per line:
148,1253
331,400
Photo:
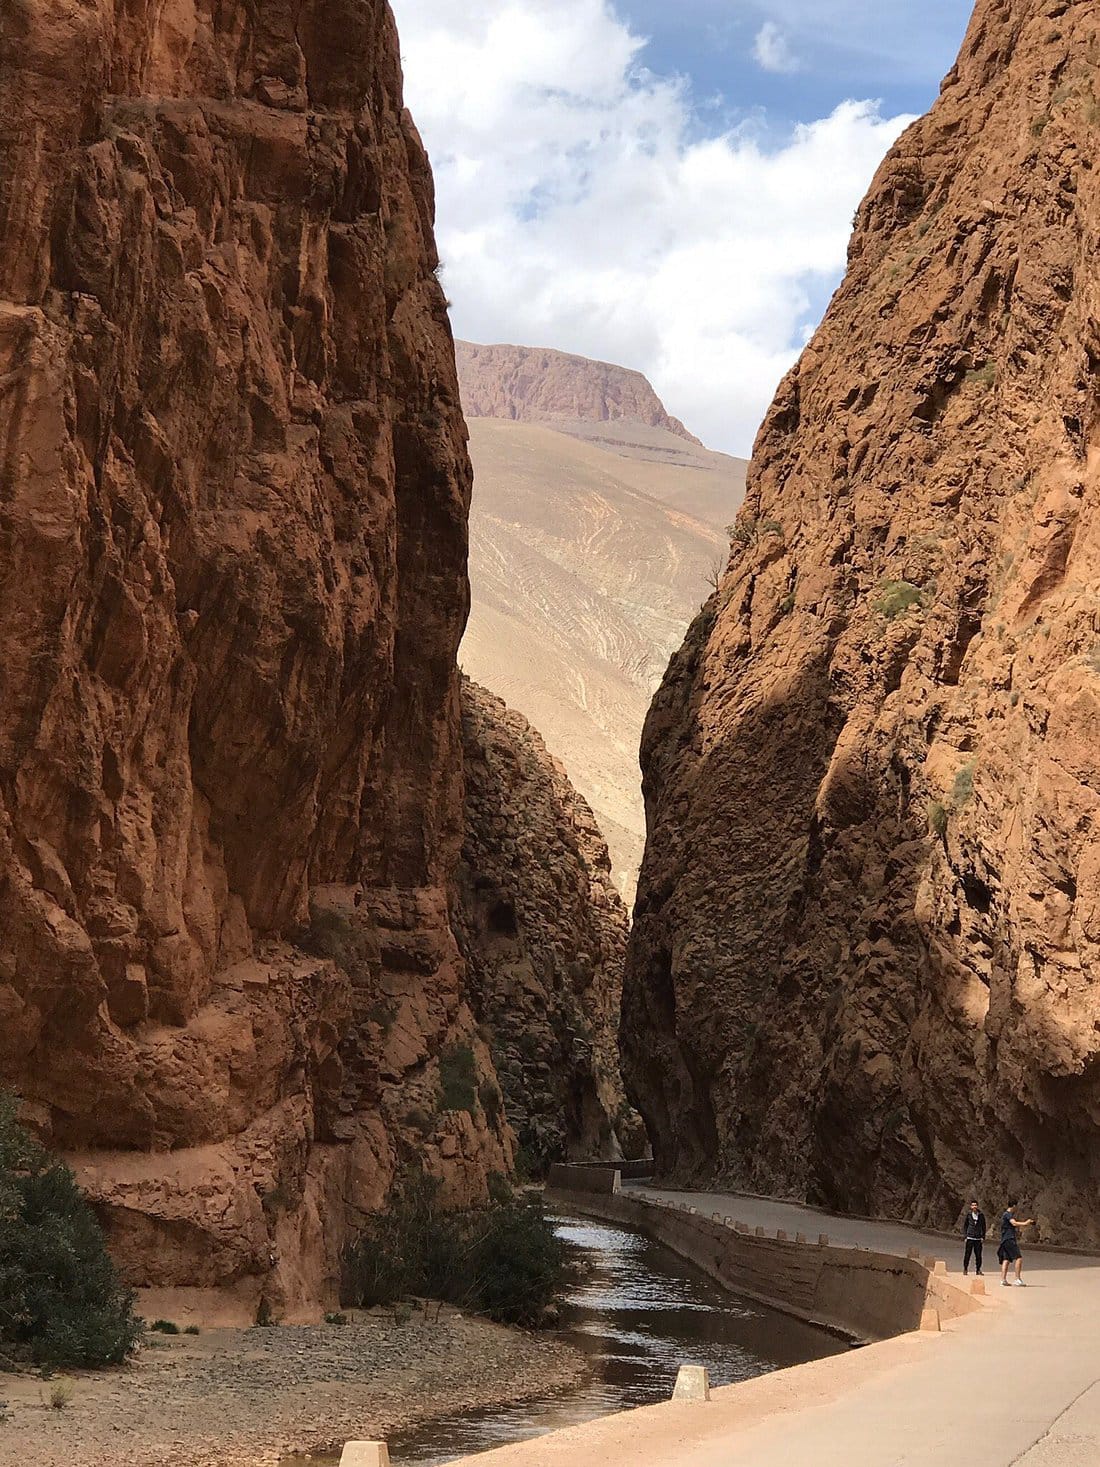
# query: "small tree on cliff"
61,1301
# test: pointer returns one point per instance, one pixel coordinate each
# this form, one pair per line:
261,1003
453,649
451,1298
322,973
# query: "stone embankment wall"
861,1294
865,967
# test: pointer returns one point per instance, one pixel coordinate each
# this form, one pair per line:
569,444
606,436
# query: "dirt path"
246,1398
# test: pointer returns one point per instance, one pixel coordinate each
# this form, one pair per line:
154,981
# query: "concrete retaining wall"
568,1179
854,1292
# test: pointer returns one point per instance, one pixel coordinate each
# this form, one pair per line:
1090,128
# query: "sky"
666,184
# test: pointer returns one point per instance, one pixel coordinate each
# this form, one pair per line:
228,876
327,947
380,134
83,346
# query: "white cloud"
580,208
772,50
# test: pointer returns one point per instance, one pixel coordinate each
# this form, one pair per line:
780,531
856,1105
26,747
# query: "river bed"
640,1313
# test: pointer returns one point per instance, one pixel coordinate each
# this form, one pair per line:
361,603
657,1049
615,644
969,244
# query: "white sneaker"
1020,1284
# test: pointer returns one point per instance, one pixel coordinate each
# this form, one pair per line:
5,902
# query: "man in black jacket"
974,1235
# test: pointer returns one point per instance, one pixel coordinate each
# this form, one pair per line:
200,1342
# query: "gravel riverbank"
247,1398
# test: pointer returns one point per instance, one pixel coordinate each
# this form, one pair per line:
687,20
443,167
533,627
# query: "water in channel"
640,1313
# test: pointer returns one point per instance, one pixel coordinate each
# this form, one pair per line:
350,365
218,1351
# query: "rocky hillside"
532,385
591,544
866,965
233,519
544,933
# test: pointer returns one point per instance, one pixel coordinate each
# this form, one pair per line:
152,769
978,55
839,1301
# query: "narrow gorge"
864,969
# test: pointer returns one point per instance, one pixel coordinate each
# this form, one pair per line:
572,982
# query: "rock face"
233,496
592,541
866,963
544,933
584,577
533,385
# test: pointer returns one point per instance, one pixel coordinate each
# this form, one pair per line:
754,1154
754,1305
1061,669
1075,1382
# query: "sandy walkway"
245,1398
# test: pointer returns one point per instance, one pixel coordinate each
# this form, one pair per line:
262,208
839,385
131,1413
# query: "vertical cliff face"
233,496
866,964
544,931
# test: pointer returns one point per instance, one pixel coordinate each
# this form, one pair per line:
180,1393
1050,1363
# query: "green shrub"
937,818
963,787
896,597
336,1318
489,1095
520,1264
504,1260
192,1329
61,1301
419,1120
500,1188
60,1393
981,376
165,1327
457,1078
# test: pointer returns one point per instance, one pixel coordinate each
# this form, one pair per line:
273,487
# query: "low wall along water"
858,1293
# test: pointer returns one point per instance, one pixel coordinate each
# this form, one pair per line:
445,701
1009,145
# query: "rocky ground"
248,1398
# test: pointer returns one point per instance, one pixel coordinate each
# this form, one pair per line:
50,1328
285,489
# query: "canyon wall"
544,932
866,960
233,498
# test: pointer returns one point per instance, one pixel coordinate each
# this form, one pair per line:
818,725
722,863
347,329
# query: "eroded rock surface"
544,931
535,385
233,497
866,964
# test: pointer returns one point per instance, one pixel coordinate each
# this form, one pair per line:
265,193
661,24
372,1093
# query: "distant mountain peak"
538,385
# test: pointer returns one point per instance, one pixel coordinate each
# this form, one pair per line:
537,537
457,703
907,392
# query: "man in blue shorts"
1009,1251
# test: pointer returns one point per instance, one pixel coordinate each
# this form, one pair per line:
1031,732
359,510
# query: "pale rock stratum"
233,522
866,961
591,542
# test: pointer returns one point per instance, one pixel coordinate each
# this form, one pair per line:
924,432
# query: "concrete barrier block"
913,1253
977,1286
823,1240
760,1232
365,1454
576,1177
741,1227
800,1237
930,1320
928,1263
692,1384
939,1266
780,1235
716,1217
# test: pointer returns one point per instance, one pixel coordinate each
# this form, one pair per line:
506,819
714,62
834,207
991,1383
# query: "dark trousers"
973,1245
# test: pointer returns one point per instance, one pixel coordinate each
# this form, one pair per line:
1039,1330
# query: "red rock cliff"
233,496
866,965
544,931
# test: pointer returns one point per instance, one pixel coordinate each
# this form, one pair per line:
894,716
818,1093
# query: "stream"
639,1314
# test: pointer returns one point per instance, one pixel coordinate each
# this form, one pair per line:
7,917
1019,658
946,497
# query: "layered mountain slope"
865,961
588,558
534,385
544,932
233,496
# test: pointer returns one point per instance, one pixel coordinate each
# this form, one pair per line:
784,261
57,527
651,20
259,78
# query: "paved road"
1016,1385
